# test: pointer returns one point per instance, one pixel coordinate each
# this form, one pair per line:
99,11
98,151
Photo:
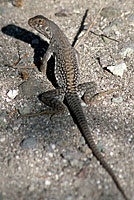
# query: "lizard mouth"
30,22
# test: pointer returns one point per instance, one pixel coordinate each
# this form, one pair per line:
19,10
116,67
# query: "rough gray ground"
46,158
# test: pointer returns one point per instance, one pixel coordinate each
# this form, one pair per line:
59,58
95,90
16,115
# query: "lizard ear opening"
48,32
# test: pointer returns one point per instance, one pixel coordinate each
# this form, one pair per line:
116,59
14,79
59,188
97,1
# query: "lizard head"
41,24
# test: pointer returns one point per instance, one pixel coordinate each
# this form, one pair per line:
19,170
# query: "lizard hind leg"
87,90
53,99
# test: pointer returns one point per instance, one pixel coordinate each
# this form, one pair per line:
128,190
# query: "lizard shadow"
37,43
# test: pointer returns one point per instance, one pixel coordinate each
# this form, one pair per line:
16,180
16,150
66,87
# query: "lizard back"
66,66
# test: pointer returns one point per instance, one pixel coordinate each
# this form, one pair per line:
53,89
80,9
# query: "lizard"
67,77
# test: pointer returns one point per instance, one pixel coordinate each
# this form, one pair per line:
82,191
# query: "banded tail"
74,105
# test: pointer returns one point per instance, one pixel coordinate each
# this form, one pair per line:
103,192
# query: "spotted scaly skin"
67,76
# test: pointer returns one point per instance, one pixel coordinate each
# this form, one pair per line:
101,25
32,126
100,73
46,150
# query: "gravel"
45,157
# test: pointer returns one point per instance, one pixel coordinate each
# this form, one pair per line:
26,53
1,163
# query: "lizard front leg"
45,59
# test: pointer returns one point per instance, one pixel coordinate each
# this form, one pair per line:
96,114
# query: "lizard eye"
47,29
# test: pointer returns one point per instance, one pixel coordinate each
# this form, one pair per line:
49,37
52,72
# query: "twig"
25,67
17,61
91,25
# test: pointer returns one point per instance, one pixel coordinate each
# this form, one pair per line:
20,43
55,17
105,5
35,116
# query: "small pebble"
2,139
113,26
127,51
62,13
118,69
100,147
26,109
117,99
69,197
131,17
28,88
47,182
31,188
73,157
12,93
29,142
3,120
110,12
2,11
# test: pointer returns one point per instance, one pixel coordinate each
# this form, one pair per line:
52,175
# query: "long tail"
74,106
